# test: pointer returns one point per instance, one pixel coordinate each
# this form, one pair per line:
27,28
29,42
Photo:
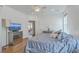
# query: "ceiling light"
37,9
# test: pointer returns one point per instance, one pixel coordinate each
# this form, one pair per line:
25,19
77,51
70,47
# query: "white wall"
54,22
73,20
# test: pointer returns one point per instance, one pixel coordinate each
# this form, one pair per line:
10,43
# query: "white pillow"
54,35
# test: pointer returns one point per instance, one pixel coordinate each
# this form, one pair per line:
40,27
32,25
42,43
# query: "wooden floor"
17,47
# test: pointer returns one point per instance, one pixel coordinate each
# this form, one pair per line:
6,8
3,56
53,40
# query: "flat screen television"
15,27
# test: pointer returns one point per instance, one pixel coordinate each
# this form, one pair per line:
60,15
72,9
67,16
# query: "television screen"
15,27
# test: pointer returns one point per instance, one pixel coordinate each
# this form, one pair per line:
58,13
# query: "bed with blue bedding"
43,43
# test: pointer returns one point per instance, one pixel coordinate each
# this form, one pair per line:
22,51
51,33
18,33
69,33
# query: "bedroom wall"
73,20
54,22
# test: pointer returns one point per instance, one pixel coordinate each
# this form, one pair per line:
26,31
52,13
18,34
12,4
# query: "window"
65,24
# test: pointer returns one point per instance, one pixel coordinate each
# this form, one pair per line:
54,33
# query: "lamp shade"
5,23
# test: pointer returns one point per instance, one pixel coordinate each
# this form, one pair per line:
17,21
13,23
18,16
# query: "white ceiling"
45,9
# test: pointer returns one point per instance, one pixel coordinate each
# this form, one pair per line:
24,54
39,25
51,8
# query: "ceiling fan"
38,8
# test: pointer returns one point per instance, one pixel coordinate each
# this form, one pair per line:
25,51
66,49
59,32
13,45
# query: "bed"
43,43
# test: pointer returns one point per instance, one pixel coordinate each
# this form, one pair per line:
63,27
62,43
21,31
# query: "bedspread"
45,44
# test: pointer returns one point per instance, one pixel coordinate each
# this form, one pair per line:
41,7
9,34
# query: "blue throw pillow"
62,35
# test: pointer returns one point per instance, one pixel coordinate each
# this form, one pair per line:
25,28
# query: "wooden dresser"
17,47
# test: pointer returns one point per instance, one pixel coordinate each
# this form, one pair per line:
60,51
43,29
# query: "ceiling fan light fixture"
37,9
